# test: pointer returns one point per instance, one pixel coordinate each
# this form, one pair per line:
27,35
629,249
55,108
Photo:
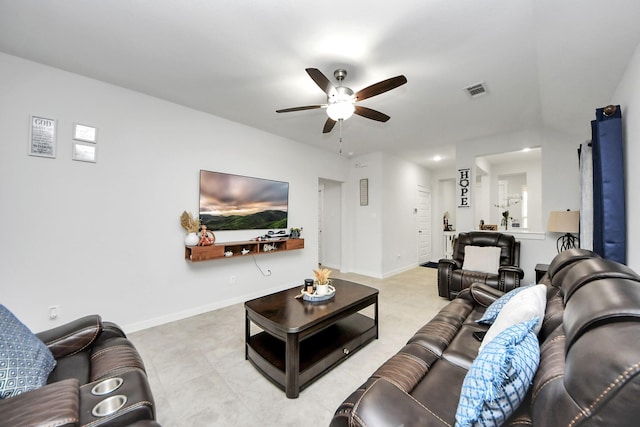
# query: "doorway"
330,223
424,225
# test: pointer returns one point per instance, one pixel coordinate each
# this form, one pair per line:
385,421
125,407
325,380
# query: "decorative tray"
315,298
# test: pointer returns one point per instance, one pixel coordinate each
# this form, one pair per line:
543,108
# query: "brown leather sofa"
589,371
88,352
452,278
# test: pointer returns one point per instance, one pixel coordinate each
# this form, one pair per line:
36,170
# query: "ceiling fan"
341,100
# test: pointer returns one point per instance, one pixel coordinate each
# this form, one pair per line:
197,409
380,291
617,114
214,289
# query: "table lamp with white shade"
566,222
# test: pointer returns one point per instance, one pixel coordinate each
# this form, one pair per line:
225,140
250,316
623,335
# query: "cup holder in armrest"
107,386
109,405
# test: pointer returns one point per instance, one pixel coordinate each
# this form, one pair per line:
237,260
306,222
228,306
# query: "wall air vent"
476,90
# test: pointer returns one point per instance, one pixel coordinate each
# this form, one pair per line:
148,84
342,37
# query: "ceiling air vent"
476,90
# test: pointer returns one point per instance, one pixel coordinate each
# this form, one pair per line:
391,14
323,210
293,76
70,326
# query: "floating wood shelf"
217,250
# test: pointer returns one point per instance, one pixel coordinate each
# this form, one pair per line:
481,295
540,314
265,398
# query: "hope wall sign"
464,188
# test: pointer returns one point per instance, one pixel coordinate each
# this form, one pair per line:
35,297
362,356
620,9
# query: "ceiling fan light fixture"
341,100
340,110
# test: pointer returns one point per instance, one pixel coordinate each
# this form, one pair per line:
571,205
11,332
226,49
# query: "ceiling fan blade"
328,125
321,80
306,107
371,114
380,87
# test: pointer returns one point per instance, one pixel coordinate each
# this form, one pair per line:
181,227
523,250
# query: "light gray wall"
627,96
532,178
443,200
560,183
332,221
362,233
381,237
399,217
106,237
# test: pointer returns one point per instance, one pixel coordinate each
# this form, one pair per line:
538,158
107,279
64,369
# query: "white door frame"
423,224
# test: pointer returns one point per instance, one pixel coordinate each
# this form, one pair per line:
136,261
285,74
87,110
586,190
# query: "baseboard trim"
398,270
179,315
184,314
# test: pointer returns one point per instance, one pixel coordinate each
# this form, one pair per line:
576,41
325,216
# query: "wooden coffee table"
300,341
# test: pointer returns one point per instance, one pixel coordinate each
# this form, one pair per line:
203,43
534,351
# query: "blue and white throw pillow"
528,304
25,361
493,310
499,377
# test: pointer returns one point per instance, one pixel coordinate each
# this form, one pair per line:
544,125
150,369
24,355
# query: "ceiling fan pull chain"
340,128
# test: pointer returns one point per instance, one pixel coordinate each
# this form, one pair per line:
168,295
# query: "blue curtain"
609,213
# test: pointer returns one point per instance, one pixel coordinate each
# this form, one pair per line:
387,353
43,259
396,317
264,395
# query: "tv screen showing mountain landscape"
235,202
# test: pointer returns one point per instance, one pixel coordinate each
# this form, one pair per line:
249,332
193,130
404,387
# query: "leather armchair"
87,352
452,278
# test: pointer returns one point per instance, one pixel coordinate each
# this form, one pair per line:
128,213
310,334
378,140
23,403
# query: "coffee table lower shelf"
318,353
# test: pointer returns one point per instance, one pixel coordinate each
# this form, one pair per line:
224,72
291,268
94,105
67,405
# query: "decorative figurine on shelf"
228,253
269,247
245,251
205,240
191,226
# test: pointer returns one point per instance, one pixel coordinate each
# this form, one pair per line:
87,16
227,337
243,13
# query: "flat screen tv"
235,202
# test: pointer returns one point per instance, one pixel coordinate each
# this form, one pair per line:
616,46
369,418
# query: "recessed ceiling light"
437,158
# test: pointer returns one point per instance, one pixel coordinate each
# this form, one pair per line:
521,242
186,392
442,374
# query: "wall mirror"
509,182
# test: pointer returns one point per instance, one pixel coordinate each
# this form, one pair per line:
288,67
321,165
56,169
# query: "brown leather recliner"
452,278
588,372
88,352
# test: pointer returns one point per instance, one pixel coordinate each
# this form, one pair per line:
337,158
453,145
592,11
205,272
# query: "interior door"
320,221
424,225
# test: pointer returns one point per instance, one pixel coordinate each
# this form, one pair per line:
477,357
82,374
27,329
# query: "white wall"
399,217
363,224
560,183
106,238
443,200
627,96
533,172
482,192
332,224
381,237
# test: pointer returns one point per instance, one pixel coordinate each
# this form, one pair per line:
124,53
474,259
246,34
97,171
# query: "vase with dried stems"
191,226
323,280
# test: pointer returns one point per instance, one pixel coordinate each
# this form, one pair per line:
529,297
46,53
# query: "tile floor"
199,375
